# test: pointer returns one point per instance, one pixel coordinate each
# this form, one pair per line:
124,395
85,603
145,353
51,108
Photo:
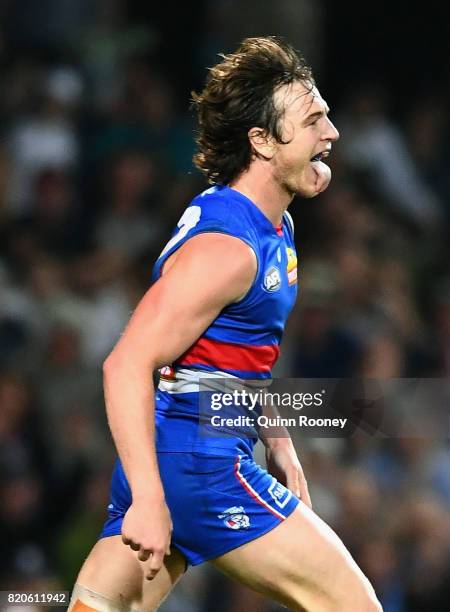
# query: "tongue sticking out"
322,172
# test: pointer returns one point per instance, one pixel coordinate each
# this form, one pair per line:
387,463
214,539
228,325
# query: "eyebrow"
316,114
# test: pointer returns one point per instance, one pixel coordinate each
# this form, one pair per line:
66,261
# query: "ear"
262,143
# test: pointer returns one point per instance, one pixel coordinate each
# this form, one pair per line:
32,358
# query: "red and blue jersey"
244,340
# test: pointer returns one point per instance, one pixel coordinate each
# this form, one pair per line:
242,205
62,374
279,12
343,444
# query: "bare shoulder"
216,251
209,272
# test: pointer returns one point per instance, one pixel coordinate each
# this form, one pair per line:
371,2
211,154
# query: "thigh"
113,571
219,503
303,564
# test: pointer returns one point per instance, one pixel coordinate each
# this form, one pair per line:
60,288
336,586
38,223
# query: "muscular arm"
207,273
281,457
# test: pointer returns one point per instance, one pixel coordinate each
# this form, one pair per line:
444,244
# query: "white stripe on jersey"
189,381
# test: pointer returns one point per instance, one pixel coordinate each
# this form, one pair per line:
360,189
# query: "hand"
283,463
147,529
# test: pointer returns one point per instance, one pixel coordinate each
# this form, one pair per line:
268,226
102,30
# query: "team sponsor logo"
291,265
279,493
235,518
272,279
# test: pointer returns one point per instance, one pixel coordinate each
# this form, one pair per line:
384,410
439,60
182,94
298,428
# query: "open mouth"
320,156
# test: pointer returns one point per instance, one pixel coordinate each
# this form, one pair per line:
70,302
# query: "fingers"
155,564
293,483
304,493
296,482
129,542
144,554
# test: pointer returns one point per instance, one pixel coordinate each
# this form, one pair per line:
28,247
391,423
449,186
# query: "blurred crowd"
95,170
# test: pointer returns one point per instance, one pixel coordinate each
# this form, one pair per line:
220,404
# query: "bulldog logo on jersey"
272,279
291,265
235,518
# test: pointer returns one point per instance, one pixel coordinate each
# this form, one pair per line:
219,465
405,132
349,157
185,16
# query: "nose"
331,132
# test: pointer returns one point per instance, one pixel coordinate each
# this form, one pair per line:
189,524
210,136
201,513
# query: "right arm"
171,316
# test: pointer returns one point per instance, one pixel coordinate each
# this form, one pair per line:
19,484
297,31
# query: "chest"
276,286
274,292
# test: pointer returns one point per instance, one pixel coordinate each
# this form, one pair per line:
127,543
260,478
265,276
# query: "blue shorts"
217,503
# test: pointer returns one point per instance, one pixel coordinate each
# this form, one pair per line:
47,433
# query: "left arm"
282,460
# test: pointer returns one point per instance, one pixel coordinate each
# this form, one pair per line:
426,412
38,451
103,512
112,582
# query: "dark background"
95,169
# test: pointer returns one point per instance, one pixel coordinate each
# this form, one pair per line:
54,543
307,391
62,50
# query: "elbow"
109,365
115,364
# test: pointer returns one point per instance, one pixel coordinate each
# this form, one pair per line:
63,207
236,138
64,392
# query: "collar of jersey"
256,211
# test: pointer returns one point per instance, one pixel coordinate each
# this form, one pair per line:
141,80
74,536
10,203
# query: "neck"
264,191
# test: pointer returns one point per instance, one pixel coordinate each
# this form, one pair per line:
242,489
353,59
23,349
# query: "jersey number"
189,219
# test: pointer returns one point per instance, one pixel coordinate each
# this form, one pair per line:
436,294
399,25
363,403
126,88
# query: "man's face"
308,133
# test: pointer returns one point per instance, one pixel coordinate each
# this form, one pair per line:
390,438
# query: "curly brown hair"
238,95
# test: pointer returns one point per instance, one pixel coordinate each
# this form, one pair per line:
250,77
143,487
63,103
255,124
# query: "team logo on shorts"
235,518
279,493
272,279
